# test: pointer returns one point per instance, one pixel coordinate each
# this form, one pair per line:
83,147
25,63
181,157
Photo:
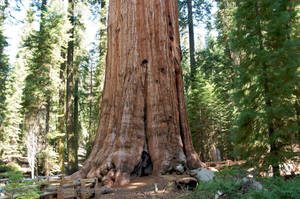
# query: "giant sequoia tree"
143,114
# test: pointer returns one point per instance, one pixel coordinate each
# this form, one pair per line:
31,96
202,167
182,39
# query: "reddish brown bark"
143,107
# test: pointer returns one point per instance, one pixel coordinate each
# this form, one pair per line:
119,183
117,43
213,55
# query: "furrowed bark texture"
143,108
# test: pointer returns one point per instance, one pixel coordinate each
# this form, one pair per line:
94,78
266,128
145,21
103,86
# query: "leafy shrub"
278,188
48,162
7,168
17,186
229,184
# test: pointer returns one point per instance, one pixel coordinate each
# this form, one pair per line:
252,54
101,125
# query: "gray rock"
106,190
218,194
256,185
252,183
245,180
202,174
179,169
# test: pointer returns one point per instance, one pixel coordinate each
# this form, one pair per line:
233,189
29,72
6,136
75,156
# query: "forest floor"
144,188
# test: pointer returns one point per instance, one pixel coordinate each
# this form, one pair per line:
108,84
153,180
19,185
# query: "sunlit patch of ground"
145,188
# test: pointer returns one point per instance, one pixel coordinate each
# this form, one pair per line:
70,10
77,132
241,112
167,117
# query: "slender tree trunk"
191,43
102,46
70,128
48,106
32,172
91,130
91,104
75,144
297,107
61,125
47,92
273,146
143,115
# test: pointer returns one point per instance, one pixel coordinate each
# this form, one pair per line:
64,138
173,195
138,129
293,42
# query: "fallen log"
222,164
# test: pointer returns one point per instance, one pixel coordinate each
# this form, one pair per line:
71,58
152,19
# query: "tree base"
109,175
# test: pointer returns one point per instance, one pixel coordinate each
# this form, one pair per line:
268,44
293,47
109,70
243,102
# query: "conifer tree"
13,140
4,66
195,9
210,104
61,114
40,95
72,136
267,38
93,75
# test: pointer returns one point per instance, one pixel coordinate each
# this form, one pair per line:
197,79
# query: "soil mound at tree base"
144,188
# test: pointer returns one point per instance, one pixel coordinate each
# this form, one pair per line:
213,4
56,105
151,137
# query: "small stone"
256,185
213,169
245,180
155,188
179,169
106,190
218,194
202,174
252,183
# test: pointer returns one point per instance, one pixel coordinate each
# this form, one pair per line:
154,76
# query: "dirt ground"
144,188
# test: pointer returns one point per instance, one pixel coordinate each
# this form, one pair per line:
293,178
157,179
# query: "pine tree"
93,80
71,128
210,105
40,98
195,9
267,38
202,116
13,140
61,113
4,66
12,131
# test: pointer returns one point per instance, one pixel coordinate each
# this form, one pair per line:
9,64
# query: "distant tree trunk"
143,115
191,42
48,106
103,27
47,93
268,102
75,143
71,136
91,101
4,68
61,121
31,143
297,107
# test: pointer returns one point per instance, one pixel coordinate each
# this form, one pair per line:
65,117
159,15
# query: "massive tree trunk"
143,125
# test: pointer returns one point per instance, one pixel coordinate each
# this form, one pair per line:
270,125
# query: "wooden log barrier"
66,188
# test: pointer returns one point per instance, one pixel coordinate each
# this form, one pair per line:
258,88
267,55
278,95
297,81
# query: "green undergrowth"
19,188
8,168
229,184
